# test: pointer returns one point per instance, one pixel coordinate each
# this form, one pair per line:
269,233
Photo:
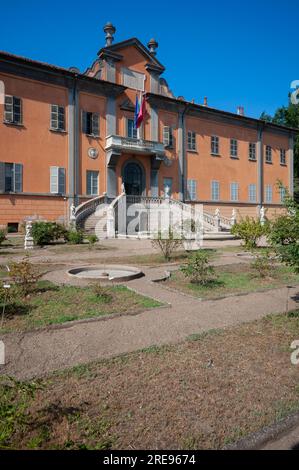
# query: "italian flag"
139,110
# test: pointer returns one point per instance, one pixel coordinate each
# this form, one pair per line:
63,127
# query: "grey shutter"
88,182
61,180
84,122
8,109
2,177
166,135
61,119
17,110
54,179
18,178
95,124
54,117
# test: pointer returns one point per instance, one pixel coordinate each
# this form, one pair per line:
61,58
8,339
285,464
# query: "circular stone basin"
107,272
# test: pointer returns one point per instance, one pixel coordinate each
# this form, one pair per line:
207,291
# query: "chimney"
109,30
205,101
152,45
240,110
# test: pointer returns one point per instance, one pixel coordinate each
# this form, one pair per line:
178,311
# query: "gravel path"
39,352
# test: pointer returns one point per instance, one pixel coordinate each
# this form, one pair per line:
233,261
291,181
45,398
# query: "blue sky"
233,52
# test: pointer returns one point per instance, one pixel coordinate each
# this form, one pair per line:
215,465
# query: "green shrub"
92,239
198,268
44,233
25,276
263,264
284,230
167,243
74,237
250,231
2,236
101,292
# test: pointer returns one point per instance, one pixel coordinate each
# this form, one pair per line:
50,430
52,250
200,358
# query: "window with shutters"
131,129
215,190
12,110
191,142
214,145
252,193
234,191
268,154
168,136
57,180
192,190
133,79
57,122
11,177
283,160
282,193
233,148
252,151
90,123
92,183
268,193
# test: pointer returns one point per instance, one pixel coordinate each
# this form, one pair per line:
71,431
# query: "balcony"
128,144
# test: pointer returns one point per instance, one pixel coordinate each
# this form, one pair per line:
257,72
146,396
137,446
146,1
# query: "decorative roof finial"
152,45
109,29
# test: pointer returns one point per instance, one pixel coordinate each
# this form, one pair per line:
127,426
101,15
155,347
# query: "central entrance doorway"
133,179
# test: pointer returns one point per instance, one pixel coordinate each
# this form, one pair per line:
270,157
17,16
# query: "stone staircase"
100,216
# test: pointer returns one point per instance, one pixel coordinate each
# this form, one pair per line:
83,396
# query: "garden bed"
206,392
51,304
233,279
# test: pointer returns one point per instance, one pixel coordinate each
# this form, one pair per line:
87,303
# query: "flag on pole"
141,111
137,109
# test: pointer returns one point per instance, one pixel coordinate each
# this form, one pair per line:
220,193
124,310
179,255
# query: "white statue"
262,215
217,212
72,211
123,189
28,242
233,217
217,219
167,192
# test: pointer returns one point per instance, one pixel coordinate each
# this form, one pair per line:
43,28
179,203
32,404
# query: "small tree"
74,237
263,264
250,231
2,236
167,242
198,268
44,233
25,275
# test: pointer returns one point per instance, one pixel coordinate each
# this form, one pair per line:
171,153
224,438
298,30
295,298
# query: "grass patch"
204,393
233,279
50,304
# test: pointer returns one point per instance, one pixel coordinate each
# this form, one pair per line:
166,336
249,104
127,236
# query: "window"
133,79
282,192
215,190
167,182
192,190
11,177
233,148
168,136
234,191
92,183
12,110
268,193
57,118
90,123
131,130
191,144
57,180
252,193
252,151
268,154
283,160
214,145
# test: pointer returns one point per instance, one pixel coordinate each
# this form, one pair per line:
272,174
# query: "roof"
133,42
200,107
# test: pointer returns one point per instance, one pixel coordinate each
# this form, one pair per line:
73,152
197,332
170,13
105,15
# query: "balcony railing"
136,145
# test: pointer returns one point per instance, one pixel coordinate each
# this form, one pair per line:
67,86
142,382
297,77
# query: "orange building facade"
66,137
